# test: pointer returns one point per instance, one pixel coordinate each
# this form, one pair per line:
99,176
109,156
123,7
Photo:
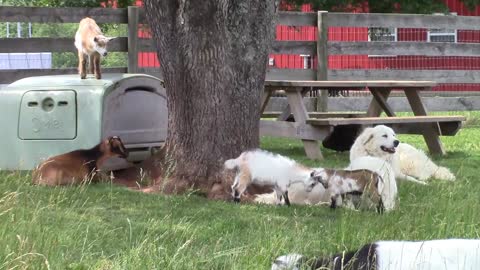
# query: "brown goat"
78,166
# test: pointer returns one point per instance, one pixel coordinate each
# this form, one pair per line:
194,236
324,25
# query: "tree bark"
213,55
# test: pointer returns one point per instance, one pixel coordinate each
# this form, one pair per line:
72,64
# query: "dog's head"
319,175
100,43
379,140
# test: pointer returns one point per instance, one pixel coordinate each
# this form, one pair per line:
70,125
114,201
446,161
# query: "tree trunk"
213,55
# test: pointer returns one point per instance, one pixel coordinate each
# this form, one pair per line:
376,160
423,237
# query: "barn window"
307,61
271,61
442,35
382,34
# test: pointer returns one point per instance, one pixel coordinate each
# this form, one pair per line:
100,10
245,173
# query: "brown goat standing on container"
78,166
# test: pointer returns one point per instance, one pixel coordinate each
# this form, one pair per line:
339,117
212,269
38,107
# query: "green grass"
109,227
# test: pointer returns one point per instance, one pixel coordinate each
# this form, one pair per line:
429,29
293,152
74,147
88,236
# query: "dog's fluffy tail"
231,164
443,173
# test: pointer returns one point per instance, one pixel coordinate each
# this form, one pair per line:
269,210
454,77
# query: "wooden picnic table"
312,129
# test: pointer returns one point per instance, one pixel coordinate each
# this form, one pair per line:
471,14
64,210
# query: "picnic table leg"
265,98
287,111
295,100
431,131
380,96
285,114
374,109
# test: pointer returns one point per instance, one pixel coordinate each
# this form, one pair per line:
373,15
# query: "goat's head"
310,183
113,147
100,43
320,176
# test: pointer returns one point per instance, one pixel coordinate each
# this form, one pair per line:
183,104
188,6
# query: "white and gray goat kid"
340,183
265,168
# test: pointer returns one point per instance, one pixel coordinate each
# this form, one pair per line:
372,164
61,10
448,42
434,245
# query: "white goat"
344,182
265,168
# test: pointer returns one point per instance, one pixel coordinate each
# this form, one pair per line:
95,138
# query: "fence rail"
22,45
62,15
403,20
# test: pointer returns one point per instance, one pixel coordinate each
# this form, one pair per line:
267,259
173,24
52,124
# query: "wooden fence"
134,16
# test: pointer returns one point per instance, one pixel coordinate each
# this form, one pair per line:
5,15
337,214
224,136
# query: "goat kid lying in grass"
388,188
444,254
265,168
78,166
340,183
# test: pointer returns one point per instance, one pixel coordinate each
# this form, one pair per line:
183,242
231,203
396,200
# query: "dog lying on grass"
408,162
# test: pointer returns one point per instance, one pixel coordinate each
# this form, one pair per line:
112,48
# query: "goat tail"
231,164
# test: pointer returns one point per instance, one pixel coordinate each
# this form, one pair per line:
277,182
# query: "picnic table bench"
311,128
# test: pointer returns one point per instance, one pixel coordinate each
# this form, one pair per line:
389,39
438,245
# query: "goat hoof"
236,200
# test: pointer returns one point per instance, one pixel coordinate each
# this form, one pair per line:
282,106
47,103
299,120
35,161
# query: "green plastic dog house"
50,115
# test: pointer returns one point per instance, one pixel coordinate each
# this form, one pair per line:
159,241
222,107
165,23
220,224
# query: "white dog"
408,162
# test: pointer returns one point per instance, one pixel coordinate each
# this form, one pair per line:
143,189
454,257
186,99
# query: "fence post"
133,14
322,58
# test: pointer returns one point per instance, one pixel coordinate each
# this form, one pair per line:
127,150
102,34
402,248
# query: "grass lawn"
110,227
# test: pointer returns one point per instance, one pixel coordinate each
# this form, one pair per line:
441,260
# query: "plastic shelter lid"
74,80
